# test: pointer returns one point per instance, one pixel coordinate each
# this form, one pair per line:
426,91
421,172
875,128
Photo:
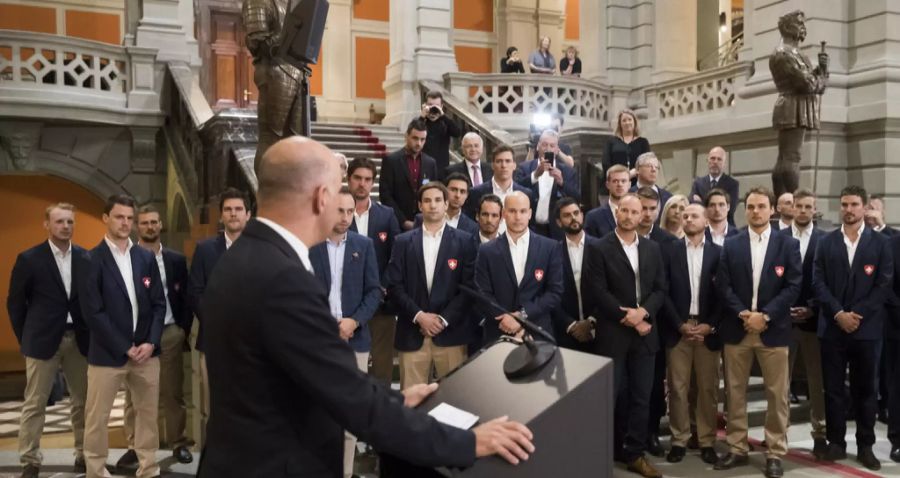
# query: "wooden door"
231,65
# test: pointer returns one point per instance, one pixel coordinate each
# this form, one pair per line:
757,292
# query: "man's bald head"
295,167
517,212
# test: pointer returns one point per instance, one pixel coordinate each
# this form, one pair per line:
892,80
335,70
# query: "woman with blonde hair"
627,144
570,65
672,219
541,60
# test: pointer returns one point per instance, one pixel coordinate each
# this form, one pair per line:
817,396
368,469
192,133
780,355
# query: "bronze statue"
280,107
797,108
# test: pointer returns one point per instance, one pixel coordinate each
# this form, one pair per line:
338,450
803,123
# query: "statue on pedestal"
797,109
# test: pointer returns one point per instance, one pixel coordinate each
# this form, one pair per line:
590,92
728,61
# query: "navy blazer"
394,187
360,285
540,291
678,303
206,255
779,287
892,324
470,208
608,283
701,187
807,297
567,313
465,224
107,308
177,288
408,289
599,221
862,287
383,228
38,305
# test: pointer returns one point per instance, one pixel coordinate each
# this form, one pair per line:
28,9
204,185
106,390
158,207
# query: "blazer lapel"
419,253
771,252
110,262
507,260
444,254
643,263
530,259
54,268
140,280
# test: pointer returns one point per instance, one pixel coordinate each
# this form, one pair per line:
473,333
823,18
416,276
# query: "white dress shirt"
719,239
484,238
336,267
64,264
576,258
431,244
123,262
631,251
296,244
759,244
501,193
695,270
545,190
170,319
851,245
362,220
454,221
784,225
803,236
228,241
519,252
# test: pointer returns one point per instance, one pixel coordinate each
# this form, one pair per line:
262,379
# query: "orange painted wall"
315,79
573,19
372,56
473,15
96,26
22,228
474,59
378,10
28,18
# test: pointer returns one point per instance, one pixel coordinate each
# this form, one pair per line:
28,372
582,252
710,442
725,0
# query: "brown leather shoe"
643,467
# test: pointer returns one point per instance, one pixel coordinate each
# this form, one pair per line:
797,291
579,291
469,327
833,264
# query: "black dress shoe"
731,460
708,455
834,452
128,463
30,471
182,454
819,448
80,465
895,453
654,447
676,454
865,456
773,468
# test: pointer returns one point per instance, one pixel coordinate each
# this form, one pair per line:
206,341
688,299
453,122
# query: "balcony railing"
702,93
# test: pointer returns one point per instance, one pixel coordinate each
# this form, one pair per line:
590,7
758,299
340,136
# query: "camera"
434,110
549,156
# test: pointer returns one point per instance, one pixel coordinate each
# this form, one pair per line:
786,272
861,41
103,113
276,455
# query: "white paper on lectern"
455,417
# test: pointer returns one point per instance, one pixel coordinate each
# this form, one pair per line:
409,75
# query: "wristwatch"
522,314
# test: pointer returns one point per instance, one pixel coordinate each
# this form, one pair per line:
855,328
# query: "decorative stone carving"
17,146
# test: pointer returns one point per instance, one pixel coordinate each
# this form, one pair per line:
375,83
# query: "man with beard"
403,172
234,209
716,178
176,329
601,221
571,325
490,213
852,279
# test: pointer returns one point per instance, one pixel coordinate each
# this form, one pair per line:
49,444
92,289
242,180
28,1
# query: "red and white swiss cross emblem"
869,269
539,274
779,271
452,263
146,281
382,236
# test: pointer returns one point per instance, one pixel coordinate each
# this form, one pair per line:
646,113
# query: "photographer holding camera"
440,130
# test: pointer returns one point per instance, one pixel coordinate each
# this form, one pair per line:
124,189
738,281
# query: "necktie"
476,175
713,183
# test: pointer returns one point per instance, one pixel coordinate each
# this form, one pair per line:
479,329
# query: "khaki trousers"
39,376
686,360
362,361
103,385
415,367
774,364
172,414
808,345
204,398
382,328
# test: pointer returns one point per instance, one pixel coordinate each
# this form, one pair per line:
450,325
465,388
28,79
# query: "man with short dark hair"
602,220
718,208
503,163
572,325
440,130
716,178
852,279
490,213
458,188
404,171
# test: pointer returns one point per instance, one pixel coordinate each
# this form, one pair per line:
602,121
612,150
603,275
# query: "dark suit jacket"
664,197
779,287
409,291
731,231
807,297
206,255
470,208
394,188
360,284
731,186
540,290
599,221
107,308
285,386
608,283
567,312
177,285
465,168
38,305
892,324
889,231
678,302
571,184
862,287
465,224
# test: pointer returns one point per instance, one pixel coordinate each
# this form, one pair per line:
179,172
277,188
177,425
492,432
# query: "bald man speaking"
283,385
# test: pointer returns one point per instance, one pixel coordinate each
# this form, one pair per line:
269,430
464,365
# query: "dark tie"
713,183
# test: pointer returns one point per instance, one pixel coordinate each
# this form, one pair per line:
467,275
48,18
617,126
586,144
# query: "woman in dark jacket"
627,144
512,63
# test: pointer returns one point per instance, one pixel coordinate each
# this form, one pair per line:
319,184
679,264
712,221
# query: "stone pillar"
516,27
593,40
336,102
550,22
167,25
675,39
420,50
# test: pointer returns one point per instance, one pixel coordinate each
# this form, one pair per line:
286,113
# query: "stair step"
344,138
342,146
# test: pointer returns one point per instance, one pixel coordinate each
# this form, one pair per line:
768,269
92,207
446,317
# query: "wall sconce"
723,27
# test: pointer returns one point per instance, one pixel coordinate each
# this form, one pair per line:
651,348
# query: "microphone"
497,309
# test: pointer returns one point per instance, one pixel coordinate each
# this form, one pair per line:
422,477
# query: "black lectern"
568,405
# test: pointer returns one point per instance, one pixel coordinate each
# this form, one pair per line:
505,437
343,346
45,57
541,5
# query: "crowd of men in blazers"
672,312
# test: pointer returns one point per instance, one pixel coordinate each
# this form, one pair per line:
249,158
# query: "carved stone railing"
705,92
56,76
504,98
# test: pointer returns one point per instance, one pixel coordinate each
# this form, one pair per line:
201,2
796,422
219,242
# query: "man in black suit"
473,165
124,305
648,167
758,279
716,178
718,208
490,214
785,210
852,279
440,130
891,350
234,209
45,313
379,223
284,384
875,216
601,221
403,172
805,314
550,179
875,219
625,288
571,325
692,348
503,161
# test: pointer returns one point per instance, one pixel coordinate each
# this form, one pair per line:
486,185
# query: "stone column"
675,39
550,22
593,40
516,27
336,102
167,25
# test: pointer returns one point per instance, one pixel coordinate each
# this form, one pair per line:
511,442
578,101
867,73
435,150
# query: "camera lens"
434,110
